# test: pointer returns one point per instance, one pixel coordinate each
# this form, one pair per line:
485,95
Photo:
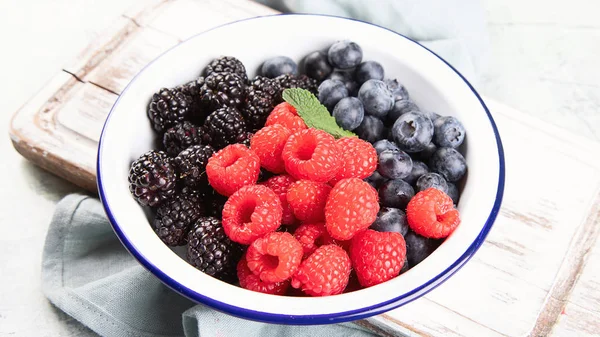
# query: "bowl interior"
431,83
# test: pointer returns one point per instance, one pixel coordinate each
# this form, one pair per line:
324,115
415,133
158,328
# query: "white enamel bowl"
432,83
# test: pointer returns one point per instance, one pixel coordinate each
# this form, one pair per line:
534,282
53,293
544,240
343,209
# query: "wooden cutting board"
534,275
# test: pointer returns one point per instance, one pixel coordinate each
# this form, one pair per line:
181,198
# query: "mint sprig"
314,114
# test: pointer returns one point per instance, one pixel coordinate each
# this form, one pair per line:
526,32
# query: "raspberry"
377,256
268,144
431,213
351,207
274,257
286,115
325,272
314,235
250,213
280,185
231,168
311,237
312,154
307,199
359,159
252,282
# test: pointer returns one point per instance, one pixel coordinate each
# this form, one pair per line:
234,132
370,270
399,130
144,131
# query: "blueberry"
448,132
401,107
390,219
395,193
449,163
432,115
279,65
317,66
376,98
398,91
426,153
347,77
394,164
419,168
349,113
376,180
431,179
419,247
453,193
369,70
384,144
412,132
344,54
331,92
371,129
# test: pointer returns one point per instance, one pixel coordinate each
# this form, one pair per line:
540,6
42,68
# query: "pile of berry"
417,149
266,198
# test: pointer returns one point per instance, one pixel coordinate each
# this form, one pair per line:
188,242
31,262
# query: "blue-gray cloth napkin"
90,276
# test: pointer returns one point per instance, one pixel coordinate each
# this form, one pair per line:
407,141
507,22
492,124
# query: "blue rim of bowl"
330,318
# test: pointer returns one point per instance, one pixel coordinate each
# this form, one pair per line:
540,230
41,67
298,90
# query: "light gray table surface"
544,61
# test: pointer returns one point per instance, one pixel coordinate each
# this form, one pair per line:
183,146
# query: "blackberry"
244,138
198,111
152,178
222,90
302,81
174,219
214,205
261,97
224,126
180,137
270,86
211,251
168,107
227,64
191,165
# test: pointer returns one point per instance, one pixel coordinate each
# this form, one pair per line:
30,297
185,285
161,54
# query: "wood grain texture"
534,274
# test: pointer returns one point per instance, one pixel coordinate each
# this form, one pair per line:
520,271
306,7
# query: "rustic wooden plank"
424,317
580,316
100,48
576,321
37,134
84,114
128,59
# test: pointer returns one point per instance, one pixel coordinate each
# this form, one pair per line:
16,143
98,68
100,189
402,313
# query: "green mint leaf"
314,114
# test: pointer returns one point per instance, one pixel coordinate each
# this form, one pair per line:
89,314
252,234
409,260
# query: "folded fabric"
88,274
454,29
